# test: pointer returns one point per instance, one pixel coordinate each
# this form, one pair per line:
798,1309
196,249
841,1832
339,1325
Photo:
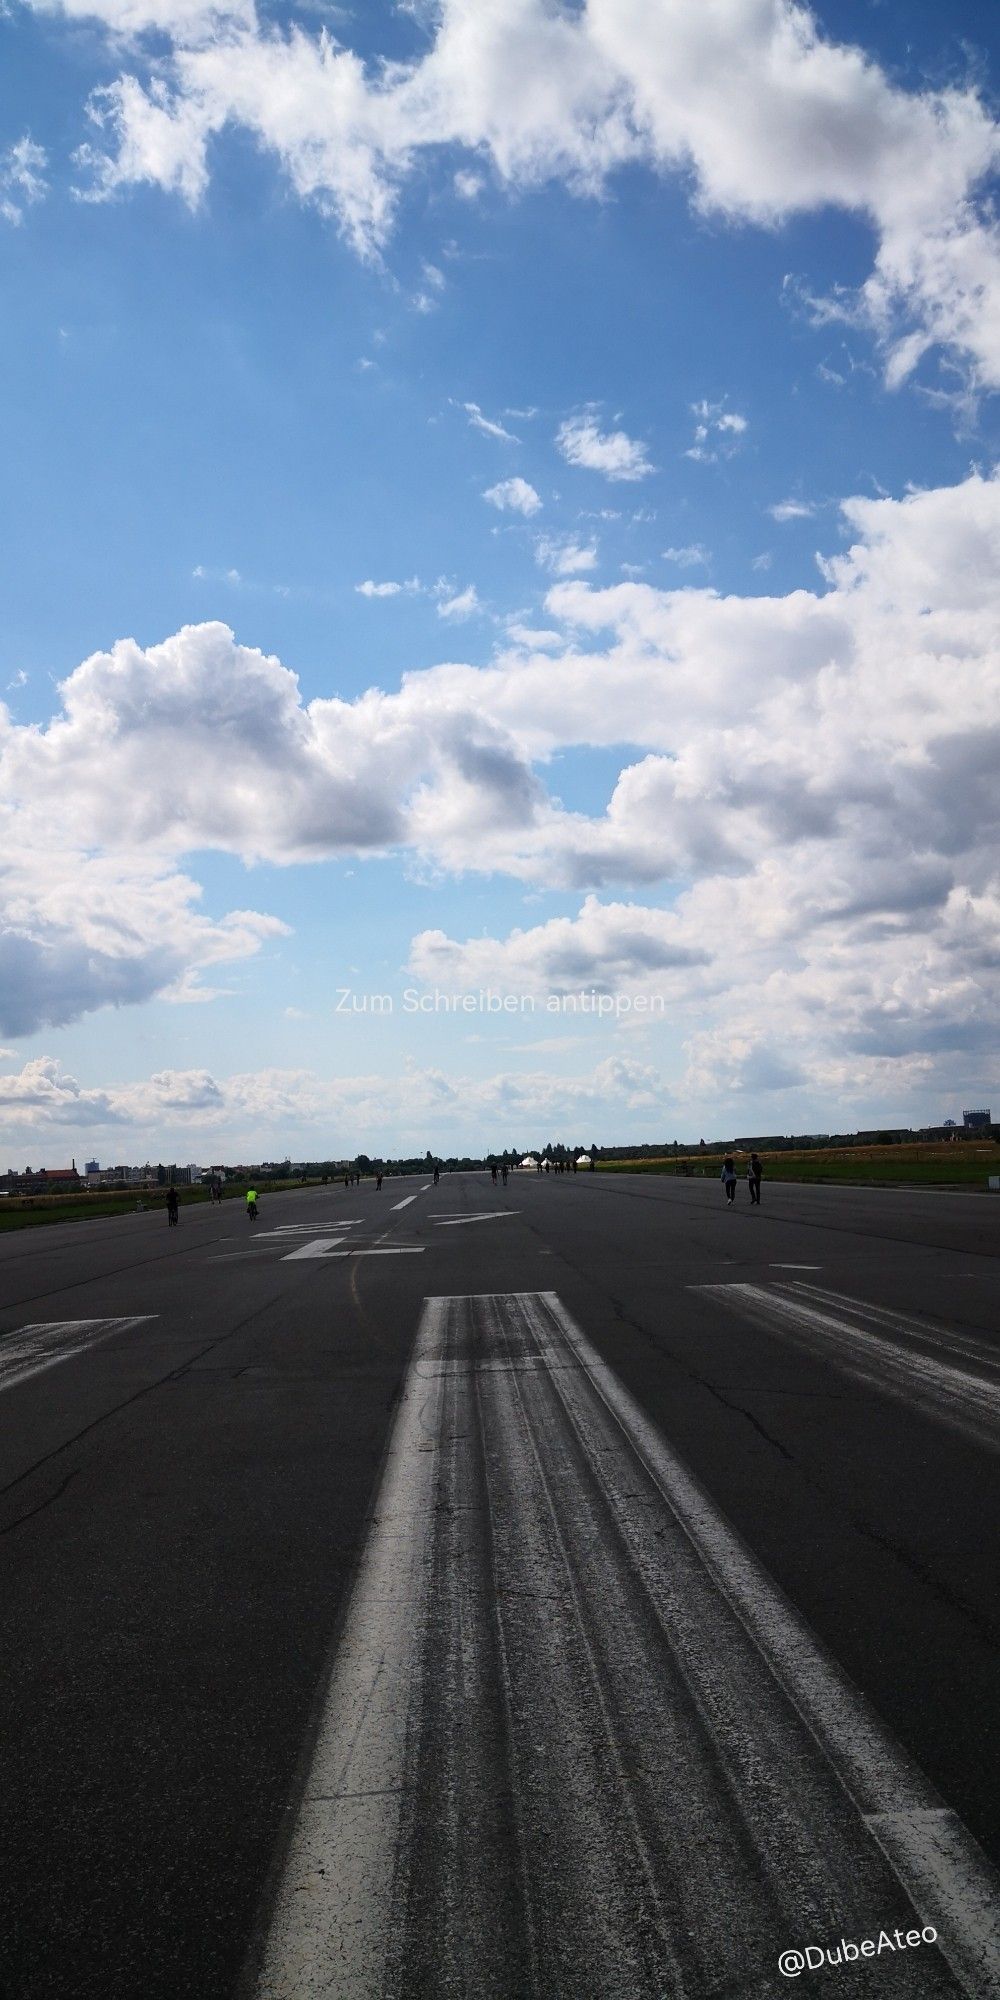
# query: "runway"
568,1589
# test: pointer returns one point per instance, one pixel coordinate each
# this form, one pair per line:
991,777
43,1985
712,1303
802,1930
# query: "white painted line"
302,1229
333,1246
795,1777
939,1864
488,1215
333,1921
448,1298
407,1198
948,1375
395,1250
320,1247
795,1267
44,1344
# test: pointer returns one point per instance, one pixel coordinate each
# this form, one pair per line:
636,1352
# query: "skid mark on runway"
576,1742
32,1349
949,1375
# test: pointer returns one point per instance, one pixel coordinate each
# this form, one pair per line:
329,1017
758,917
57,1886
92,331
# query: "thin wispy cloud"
792,510
691,556
22,178
487,425
388,588
718,432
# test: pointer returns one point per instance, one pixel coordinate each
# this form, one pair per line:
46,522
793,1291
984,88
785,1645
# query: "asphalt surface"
567,1589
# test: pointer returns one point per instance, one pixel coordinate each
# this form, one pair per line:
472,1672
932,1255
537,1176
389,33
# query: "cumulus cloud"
808,781
614,453
514,496
253,1114
763,115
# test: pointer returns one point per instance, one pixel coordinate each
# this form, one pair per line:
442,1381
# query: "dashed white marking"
407,1198
45,1343
795,1267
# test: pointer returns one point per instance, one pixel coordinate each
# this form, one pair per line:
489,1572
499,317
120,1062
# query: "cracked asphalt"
194,1429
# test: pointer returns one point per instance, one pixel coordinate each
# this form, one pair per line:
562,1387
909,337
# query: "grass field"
962,1164
25,1211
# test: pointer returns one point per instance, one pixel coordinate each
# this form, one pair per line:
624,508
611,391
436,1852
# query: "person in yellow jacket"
252,1203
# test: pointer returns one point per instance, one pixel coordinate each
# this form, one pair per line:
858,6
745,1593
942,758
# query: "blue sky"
641,360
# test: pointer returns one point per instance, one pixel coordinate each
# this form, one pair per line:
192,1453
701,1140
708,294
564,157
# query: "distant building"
977,1121
92,1167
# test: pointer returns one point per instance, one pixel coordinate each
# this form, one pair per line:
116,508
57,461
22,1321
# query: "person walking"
252,1204
172,1208
378,1184
754,1172
503,1173
728,1177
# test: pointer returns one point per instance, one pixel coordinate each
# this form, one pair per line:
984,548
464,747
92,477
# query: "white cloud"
463,604
468,185
613,452
535,638
691,556
249,1115
792,510
763,116
564,556
22,178
513,495
810,777
717,432
389,588
487,425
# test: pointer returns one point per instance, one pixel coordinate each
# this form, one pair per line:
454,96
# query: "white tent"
583,1159
529,1160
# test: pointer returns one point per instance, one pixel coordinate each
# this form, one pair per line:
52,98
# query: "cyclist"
252,1204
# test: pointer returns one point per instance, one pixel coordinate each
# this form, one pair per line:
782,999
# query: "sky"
501,570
